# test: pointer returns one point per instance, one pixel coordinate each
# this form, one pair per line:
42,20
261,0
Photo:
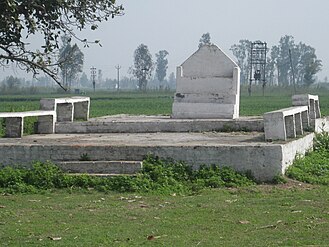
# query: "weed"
84,157
227,128
157,176
279,179
321,141
314,167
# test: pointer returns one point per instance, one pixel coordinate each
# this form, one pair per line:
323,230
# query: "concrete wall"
264,161
169,125
296,147
208,86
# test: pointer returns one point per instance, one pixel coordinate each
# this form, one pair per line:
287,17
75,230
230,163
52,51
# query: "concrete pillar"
14,127
236,78
317,109
312,109
305,120
81,110
46,124
299,124
274,126
64,112
290,126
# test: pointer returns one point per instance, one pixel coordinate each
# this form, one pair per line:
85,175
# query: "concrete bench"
15,122
311,101
68,109
286,123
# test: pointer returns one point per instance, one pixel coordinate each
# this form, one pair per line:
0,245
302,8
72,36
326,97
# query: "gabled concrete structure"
208,86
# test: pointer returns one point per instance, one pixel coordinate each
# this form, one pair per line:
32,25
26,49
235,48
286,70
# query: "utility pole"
292,70
118,67
93,77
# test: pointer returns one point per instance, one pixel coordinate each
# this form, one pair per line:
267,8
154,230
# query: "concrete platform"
243,151
151,124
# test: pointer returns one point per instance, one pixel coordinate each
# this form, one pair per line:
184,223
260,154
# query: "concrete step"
101,174
101,168
153,124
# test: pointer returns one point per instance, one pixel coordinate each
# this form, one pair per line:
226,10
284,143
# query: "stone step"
101,174
103,168
153,124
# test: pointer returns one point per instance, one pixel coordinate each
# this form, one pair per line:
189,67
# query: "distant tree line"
279,71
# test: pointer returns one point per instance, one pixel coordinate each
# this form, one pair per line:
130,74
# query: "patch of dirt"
290,184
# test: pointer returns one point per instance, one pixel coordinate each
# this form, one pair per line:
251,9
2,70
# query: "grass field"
290,214
154,103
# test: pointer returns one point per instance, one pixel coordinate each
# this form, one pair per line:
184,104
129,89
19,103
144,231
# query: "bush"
157,176
314,167
45,176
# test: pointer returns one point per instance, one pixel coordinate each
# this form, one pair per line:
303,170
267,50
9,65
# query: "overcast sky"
177,25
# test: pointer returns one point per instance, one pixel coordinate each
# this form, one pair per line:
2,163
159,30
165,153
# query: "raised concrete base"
241,151
151,124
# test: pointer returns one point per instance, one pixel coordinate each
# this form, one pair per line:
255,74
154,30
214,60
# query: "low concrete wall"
295,147
115,125
264,160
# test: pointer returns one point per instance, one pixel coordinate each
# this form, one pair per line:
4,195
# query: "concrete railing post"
14,127
46,124
299,124
290,126
81,110
64,112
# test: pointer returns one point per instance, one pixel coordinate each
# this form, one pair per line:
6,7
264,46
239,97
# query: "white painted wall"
208,86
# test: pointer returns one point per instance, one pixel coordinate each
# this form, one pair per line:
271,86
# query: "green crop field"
160,103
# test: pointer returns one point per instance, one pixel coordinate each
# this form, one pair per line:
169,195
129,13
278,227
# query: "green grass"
157,176
314,167
154,103
254,216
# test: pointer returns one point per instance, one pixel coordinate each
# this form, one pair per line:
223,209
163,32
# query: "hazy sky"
177,25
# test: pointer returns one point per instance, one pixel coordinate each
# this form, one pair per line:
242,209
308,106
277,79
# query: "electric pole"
292,70
93,76
118,67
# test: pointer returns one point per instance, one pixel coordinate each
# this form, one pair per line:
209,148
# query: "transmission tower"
257,64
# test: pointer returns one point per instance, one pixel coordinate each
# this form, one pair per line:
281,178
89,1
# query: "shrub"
45,176
314,167
157,176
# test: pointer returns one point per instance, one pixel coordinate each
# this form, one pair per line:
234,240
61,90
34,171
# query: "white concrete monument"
208,86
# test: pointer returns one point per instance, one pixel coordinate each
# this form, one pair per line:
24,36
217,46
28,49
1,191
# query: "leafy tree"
241,52
304,62
161,65
70,61
204,40
286,43
143,66
309,64
19,20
